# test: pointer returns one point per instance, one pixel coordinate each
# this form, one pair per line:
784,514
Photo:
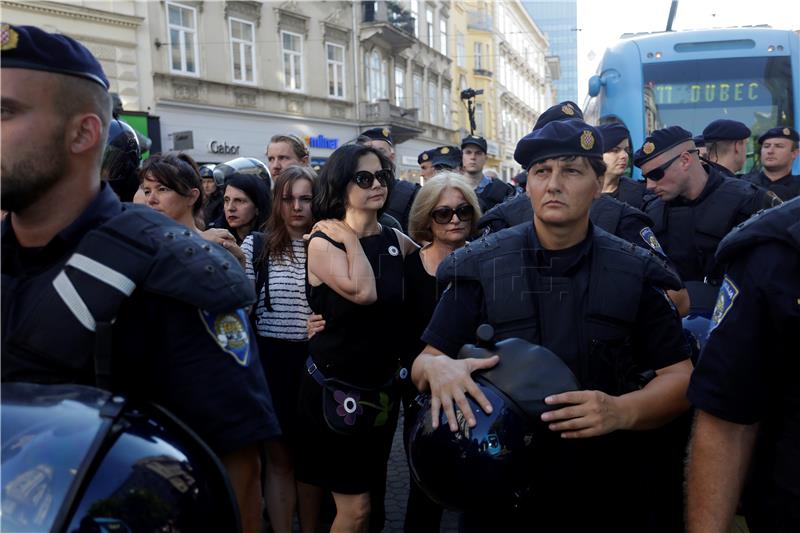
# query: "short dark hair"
339,169
179,172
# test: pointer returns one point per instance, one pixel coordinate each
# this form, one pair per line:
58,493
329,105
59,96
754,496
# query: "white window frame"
446,107
415,13
433,97
399,87
460,50
429,26
182,41
298,58
443,35
340,71
479,119
478,56
242,54
418,93
377,72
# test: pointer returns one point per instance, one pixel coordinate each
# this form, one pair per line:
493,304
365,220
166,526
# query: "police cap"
781,131
425,156
726,130
659,142
480,142
31,48
379,134
613,134
699,140
557,139
562,111
446,156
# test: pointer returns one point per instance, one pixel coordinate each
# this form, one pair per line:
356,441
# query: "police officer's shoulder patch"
650,238
230,332
728,292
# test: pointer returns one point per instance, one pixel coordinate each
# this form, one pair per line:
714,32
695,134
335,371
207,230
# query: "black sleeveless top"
421,293
361,343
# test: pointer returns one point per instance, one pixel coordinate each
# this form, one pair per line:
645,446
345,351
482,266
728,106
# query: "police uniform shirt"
657,336
785,188
749,372
164,350
690,250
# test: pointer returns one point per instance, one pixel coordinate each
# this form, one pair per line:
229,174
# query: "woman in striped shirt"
276,261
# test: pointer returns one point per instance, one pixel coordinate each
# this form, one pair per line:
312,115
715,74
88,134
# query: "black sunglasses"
365,178
658,172
443,215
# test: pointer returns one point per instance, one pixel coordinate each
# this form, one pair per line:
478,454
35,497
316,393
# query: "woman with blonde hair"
444,213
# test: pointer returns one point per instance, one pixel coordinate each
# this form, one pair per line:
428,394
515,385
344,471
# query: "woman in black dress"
444,213
355,274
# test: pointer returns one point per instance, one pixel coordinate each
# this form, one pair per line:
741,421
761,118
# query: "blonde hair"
419,219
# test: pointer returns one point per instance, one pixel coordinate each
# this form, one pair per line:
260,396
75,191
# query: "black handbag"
351,409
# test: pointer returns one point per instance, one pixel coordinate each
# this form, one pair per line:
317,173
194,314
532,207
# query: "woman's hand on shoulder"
225,239
336,230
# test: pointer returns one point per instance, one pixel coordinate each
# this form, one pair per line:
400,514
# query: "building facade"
559,21
112,31
229,75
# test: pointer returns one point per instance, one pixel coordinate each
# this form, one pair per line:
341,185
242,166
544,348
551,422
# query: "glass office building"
558,19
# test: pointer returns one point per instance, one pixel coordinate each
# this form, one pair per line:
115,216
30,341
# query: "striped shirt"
287,291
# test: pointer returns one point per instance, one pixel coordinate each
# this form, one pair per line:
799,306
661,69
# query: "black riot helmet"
242,165
492,463
121,160
207,173
80,459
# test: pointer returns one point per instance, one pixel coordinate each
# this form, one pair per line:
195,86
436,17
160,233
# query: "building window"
443,35
478,57
460,52
432,102
182,31
243,50
377,74
446,107
415,14
417,82
399,87
292,60
429,27
335,54
479,118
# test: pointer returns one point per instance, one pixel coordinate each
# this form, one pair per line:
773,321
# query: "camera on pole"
468,95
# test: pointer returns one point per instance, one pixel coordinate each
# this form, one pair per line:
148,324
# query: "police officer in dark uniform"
213,187
424,161
446,158
597,302
779,149
746,386
612,215
694,207
726,145
490,191
617,143
114,295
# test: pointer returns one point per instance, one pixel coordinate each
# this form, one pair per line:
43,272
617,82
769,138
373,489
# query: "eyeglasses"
658,172
443,215
365,179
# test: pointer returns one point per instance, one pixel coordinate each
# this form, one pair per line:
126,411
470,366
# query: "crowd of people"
351,292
